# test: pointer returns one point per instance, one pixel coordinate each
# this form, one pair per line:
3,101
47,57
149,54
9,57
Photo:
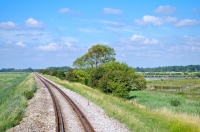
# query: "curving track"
60,125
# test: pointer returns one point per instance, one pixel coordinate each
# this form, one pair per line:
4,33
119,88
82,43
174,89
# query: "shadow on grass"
132,97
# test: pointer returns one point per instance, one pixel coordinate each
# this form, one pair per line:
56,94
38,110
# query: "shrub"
96,75
70,76
81,76
116,78
175,102
28,94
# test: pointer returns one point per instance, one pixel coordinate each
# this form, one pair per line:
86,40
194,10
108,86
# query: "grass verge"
135,116
13,99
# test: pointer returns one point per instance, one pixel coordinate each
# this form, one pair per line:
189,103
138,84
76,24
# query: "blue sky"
43,33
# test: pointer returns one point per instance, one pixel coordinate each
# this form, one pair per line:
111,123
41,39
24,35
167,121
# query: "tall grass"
174,83
159,100
13,100
187,88
135,116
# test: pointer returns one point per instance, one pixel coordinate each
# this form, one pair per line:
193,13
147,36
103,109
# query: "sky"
143,33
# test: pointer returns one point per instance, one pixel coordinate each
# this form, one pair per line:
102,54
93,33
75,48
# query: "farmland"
15,90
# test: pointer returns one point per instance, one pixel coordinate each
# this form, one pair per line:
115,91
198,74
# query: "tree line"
99,69
63,68
58,73
189,68
18,70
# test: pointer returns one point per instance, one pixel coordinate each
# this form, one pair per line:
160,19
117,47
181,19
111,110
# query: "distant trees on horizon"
189,68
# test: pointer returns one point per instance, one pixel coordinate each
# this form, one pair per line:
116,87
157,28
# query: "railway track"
60,125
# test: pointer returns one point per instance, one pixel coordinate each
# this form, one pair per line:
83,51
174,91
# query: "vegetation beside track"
99,69
137,117
15,90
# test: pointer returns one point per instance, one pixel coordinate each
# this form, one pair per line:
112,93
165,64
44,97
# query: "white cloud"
117,27
150,41
112,23
71,46
136,37
68,44
7,25
64,10
187,22
32,23
156,21
139,39
192,40
26,35
112,11
165,9
143,39
20,44
49,47
29,34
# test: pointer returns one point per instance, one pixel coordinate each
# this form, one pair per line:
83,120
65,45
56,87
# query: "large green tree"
96,55
98,69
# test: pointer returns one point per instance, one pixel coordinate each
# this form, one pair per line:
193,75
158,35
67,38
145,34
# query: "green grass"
193,94
174,83
159,100
13,99
191,87
135,116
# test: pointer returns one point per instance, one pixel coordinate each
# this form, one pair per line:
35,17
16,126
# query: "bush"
70,76
28,94
116,78
81,76
96,75
175,102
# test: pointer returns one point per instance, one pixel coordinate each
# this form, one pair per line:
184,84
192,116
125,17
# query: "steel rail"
86,124
58,114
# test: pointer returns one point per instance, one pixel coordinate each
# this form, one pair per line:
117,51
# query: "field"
157,111
160,100
187,88
174,84
15,90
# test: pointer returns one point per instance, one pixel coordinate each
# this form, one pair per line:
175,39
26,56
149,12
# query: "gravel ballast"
40,113
97,117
